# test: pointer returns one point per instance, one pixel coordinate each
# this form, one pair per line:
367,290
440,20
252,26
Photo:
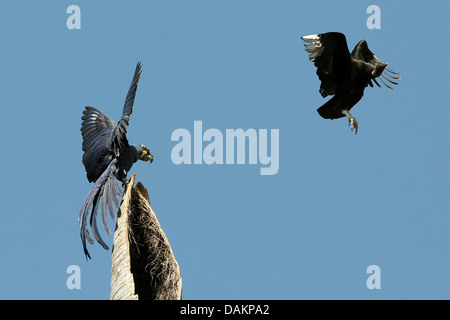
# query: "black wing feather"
330,54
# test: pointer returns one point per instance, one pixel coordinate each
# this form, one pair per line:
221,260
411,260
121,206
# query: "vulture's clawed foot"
353,124
379,68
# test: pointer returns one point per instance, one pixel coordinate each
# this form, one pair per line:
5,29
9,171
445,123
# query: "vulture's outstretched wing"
362,52
331,56
119,135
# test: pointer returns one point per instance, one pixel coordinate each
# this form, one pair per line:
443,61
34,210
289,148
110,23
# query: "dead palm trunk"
143,264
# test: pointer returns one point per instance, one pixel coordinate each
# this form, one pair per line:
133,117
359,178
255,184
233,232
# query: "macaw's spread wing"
329,52
103,139
96,129
119,135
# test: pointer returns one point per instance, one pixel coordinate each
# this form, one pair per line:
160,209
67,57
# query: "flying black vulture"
107,158
345,75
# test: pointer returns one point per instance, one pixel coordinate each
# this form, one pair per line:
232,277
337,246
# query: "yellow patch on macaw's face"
146,155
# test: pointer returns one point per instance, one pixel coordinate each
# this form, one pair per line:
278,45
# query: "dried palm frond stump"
143,264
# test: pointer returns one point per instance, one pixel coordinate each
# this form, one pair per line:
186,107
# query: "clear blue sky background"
339,203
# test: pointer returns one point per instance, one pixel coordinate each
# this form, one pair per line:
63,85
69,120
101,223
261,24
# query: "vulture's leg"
374,69
351,120
379,68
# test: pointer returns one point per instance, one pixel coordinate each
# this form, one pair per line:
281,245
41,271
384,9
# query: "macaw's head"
143,153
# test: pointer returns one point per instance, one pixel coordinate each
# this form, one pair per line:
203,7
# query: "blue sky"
339,203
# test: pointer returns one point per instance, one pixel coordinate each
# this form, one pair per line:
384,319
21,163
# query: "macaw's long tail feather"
93,223
105,190
111,191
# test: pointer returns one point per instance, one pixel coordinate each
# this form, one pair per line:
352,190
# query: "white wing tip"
314,47
310,38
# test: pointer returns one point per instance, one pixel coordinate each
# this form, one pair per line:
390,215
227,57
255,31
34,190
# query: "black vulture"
107,158
345,75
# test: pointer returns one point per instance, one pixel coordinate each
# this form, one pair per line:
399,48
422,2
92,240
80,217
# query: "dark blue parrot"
107,158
